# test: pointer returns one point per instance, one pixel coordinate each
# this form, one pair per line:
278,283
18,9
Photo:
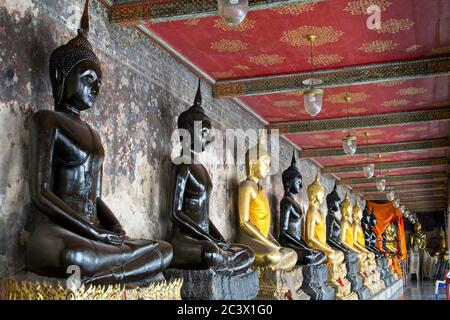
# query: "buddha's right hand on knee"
108,237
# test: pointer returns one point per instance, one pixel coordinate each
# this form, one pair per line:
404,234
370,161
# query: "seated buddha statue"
418,238
316,237
333,223
347,232
391,238
368,222
291,216
254,214
442,252
66,155
196,241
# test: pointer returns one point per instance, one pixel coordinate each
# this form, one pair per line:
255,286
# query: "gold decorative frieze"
417,129
295,9
241,67
413,48
324,35
395,103
326,59
412,91
404,136
441,50
267,59
339,98
294,94
378,46
245,25
390,83
230,46
192,22
360,6
395,25
286,103
37,290
223,74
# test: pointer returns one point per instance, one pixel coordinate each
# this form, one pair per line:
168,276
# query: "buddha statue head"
75,71
197,123
346,207
316,193
373,220
417,227
357,213
366,218
292,178
257,160
333,200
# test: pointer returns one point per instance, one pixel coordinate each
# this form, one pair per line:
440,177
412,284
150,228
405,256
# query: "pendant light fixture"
402,209
349,142
381,183
233,12
397,203
312,97
390,195
369,168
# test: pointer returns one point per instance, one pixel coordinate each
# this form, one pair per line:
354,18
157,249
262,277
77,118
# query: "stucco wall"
143,92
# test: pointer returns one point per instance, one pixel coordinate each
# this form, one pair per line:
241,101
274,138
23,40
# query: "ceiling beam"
131,12
401,178
388,165
407,197
418,186
360,122
378,148
332,78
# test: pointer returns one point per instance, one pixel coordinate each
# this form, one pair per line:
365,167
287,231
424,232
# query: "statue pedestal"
353,275
29,286
208,285
385,273
281,284
315,283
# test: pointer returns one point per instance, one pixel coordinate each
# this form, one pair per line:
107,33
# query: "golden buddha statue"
254,214
418,238
391,238
442,252
316,237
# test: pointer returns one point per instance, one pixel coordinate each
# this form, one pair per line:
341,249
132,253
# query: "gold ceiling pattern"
413,48
360,6
324,35
295,9
192,22
395,103
226,45
395,25
223,74
390,83
339,97
326,59
417,129
294,94
286,103
245,25
411,91
267,59
441,50
378,46
357,110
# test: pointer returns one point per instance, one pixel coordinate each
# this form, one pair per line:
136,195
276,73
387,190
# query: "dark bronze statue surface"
196,242
368,223
65,169
291,216
333,222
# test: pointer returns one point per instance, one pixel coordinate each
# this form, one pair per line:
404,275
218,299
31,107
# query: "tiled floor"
421,290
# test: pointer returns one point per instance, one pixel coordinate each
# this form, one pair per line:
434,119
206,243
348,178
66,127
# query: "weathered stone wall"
143,92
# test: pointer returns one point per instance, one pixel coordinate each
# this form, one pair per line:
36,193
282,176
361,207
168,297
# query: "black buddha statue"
291,216
368,224
65,174
333,222
197,243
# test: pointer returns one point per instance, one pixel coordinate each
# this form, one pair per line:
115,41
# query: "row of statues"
418,242
76,226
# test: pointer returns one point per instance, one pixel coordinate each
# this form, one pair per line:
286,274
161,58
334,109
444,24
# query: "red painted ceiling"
272,41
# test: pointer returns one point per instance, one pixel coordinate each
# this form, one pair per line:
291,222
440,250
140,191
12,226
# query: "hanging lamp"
312,97
369,169
233,12
381,183
349,142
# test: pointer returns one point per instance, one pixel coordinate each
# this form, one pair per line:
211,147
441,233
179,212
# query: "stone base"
392,292
353,275
315,283
29,286
280,284
208,285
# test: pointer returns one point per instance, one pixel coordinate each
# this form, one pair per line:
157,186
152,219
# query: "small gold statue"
316,237
442,252
418,238
391,238
254,214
